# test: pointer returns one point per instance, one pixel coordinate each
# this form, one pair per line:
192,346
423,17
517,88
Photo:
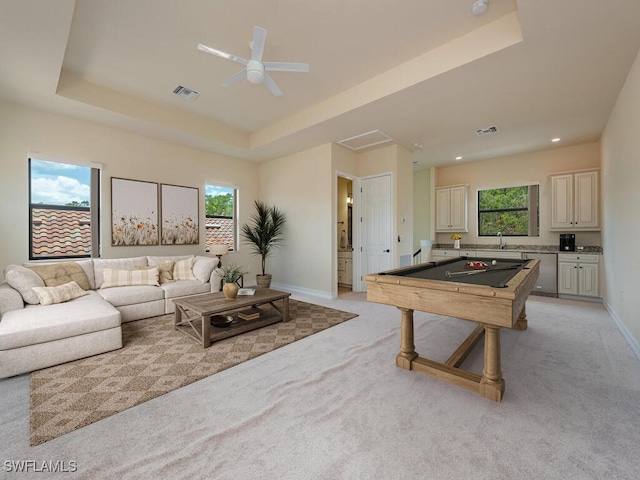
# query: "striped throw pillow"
59,294
183,270
129,278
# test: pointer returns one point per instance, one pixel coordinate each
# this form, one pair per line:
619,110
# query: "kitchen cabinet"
578,274
345,269
444,254
451,209
574,201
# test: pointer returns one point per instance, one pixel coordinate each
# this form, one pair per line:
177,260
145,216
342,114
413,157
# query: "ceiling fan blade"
222,54
257,46
271,85
235,78
285,67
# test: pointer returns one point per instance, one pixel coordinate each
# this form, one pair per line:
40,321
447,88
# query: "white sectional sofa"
34,335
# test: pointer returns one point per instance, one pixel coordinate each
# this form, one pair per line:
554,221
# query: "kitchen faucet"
501,244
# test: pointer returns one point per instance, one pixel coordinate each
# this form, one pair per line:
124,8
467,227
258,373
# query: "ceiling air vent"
365,140
185,92
487,131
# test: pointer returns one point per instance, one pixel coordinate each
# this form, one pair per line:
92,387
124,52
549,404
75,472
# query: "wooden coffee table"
193,314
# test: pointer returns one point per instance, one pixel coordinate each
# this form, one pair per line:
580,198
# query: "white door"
375,226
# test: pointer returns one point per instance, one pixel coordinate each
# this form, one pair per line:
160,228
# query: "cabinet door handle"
386,251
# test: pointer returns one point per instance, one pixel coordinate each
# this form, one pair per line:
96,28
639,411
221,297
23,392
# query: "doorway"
345,239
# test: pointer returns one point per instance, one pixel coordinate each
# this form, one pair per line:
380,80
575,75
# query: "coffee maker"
567,242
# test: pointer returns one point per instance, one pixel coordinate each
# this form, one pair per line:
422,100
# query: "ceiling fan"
255,69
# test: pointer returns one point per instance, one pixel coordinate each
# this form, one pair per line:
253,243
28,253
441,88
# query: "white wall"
422,207
302,185
520,169
620,181
121,154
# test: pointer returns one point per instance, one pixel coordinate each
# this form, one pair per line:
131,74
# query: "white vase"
456,244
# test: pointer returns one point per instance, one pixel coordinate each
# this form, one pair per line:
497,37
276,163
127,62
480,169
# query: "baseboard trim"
633,343
302,291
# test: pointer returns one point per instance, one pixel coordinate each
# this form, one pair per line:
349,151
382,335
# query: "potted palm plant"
264,233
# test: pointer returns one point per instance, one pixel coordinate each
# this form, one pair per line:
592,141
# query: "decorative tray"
221,320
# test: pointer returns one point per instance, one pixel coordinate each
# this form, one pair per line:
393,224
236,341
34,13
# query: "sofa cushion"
86,265
60,293
39,324
23,280
54,274
120,296
183,269
99,264
203,266
127,278
184,288
165,271
157,259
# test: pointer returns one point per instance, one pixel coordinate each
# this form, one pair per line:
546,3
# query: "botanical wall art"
179,215
134,212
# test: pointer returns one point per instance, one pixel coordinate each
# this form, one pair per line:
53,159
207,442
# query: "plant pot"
456,244
230,290
263,281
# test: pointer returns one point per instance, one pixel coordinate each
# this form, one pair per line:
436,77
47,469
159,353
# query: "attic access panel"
365,140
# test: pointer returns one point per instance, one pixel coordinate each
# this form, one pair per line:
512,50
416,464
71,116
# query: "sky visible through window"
54,183
215,190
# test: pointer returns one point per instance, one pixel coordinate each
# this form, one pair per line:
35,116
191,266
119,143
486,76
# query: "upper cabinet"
574,201
451,209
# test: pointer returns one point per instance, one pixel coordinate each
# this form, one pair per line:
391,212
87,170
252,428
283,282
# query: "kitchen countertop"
517,248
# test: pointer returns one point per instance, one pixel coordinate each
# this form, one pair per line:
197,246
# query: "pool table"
489,292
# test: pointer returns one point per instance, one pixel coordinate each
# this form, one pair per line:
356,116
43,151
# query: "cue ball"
493,262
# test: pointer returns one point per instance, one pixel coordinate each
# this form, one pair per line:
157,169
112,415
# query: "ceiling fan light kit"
255,69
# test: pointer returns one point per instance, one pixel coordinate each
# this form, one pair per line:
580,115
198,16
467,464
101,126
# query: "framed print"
134,212
179,215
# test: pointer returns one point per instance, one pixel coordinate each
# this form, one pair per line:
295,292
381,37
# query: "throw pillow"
128,278
55,274
59,294
203,266
165,271
182,270
23,280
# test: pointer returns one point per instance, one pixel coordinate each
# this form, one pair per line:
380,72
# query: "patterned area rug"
155,360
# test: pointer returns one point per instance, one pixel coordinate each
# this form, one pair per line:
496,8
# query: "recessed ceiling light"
417,146
458,158
557,139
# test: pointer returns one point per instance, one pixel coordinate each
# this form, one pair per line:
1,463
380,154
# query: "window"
220,209
62,222
512,211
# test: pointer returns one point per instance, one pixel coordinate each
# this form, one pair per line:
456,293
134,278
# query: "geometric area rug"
155,359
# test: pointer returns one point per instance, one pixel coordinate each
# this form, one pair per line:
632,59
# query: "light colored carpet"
154,360
334,406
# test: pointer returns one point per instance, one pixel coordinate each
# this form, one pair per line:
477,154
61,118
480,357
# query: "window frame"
235,227
94,200
532,209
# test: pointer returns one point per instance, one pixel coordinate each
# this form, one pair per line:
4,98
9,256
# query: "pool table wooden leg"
521,322
492,383
407,348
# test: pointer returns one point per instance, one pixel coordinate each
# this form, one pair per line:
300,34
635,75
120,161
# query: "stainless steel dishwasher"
547,283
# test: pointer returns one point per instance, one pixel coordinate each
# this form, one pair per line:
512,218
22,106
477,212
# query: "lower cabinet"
578,274
443,254
345,269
